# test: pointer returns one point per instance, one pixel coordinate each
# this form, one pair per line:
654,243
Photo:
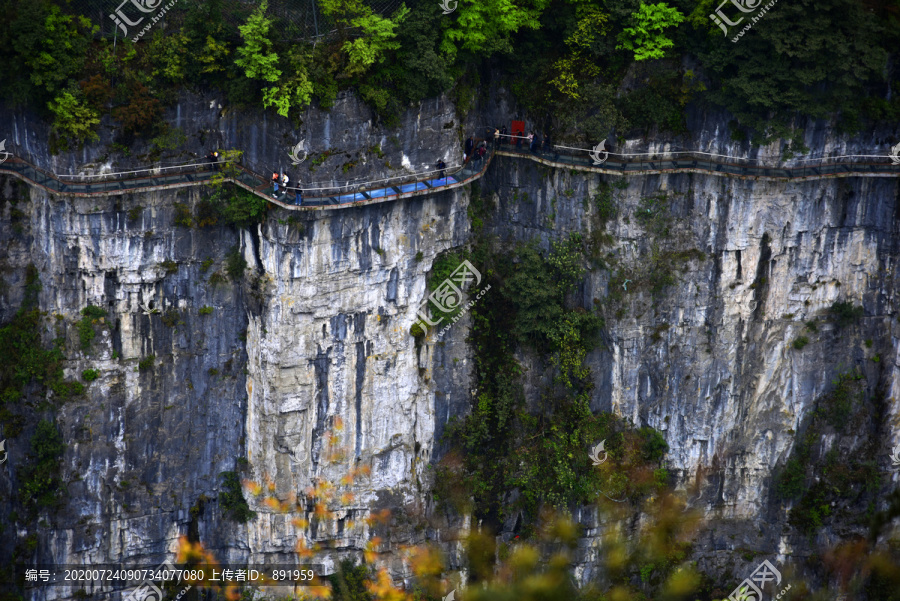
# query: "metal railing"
78,177
355,185
202,171
662,155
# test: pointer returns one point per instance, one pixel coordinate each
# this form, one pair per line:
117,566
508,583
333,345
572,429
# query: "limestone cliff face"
710,361
342,146
315,337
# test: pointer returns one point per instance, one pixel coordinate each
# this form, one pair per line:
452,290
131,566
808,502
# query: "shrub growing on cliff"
416,330
349,582
235,264
845,313
800,342
41,483
653,445
239,207
146,363
90,316
24,361
231,499
183,217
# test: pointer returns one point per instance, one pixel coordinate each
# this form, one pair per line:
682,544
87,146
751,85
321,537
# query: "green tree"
255,56
580,64
811,58
60,53
484,27
73,121
373,35
378,36
297,89
45,50
645,37
169,56
259,61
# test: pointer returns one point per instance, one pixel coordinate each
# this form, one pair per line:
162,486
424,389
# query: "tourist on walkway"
275,183
470,144
496,137
503,133
519,137
441,165
298,195
536,143
284,182
479,154
531,141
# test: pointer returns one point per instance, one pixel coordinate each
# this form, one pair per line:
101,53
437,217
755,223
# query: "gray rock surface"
317,334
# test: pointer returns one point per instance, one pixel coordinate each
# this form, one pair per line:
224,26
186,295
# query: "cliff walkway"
418,184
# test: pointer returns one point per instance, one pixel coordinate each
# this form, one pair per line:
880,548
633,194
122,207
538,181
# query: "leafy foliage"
146,363
645,37
806,57
576,67
236,206
41,481
26,366
73,122
49,45
845,313
349,582
485,27
90,316
540,452
235,264
255,56
141,111
375,35
183,217
231,499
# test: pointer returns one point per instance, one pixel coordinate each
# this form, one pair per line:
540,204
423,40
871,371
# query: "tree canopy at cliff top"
609,66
